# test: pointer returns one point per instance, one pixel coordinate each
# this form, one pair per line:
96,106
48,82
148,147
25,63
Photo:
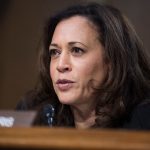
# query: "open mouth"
64,84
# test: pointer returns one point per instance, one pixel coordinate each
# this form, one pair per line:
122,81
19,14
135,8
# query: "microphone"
49,112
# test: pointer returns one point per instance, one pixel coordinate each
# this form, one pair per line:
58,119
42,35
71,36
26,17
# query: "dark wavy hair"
128,81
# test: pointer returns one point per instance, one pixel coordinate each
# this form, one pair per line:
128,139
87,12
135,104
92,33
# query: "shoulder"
36,101
139,117
32,100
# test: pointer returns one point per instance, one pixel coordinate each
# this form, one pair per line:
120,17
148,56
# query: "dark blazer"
139,118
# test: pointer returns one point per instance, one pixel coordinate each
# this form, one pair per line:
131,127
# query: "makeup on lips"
64,84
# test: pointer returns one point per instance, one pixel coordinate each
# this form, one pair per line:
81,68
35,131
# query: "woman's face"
77,63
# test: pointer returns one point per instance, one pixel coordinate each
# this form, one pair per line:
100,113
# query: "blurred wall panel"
20,42
138,12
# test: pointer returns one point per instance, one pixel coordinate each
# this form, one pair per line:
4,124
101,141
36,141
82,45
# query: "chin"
67,101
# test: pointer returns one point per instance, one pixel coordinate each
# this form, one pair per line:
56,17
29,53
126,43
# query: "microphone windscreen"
48,112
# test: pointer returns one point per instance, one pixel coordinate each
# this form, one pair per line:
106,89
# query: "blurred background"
21,28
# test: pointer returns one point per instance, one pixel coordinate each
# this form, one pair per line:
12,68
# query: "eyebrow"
70,43
53,44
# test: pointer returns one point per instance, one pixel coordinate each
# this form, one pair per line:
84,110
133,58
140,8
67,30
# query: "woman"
93,71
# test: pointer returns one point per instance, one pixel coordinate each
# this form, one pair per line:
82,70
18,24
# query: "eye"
54,53
77,51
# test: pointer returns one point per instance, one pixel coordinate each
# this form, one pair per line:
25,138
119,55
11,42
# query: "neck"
84,118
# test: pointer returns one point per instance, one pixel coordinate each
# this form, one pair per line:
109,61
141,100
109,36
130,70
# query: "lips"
64,84
63,81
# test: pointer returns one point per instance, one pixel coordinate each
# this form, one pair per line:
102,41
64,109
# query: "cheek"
52,70
91,71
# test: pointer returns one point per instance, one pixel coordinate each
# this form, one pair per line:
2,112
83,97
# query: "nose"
64,64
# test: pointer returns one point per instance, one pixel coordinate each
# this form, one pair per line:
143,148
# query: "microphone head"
49,112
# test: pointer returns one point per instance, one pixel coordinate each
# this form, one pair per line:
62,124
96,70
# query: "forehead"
75,26
79,20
